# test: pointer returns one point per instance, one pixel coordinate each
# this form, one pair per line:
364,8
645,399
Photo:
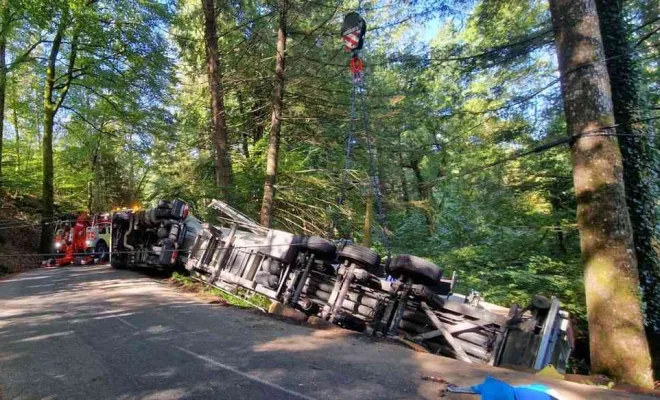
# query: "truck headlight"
88,243
58,245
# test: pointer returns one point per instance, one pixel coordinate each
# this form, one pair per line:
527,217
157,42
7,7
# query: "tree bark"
402,171
258,117
276,119
244,130
47,191
404,182
421,185
52,104
424,192
218,117
554,194
131,171
93,164
18,136
635,146
616,331
368,216
4,30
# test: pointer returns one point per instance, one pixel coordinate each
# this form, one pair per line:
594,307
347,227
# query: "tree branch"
25,55
84,119
647,23
72,62
648,35
100,95
69,74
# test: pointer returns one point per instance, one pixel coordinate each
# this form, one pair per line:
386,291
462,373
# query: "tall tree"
113,56
54,95
636,150
10,14
218,116
616,331
5,14
276,119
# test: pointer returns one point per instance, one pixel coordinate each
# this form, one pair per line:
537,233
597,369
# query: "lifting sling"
353,31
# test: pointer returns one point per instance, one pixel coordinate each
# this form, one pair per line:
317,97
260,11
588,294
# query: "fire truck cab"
98,236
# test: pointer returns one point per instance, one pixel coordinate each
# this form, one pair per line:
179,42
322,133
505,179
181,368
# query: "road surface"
97,333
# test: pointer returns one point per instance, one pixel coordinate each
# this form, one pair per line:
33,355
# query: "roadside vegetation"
241,298
19,234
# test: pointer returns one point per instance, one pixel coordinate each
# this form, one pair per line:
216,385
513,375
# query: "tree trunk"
555,202
635,146
424,195
421,185
404,183
3,75
616,331
244,130
93,164
258,117
369,204
218,117
52,104
18,137
47,191
131,172
37,115
276,120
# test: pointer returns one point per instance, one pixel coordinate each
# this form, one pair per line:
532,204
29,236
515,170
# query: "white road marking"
119,318
243,374
126,322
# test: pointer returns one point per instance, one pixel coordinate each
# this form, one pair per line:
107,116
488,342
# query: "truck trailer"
407,298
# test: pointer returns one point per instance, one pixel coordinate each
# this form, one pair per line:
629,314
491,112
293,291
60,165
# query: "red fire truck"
82,239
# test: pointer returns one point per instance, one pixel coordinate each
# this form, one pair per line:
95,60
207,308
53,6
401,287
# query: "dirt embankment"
19,234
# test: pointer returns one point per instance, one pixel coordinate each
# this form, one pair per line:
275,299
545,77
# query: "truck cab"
98,237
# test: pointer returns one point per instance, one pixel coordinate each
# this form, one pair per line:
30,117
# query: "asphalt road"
97,333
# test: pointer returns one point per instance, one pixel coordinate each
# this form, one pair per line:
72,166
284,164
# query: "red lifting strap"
356,65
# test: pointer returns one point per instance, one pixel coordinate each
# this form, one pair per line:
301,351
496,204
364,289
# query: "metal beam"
460,353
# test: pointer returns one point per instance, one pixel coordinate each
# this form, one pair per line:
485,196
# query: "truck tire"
418,269
101,251
360,255
319,246
116,263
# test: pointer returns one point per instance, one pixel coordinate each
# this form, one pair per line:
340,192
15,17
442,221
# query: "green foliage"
241,298
452,86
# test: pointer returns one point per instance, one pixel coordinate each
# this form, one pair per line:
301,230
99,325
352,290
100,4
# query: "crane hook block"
353,30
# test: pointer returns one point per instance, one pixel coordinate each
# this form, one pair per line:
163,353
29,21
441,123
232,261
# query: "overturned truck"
156,237
346,284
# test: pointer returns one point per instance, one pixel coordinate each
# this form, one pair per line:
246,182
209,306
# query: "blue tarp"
494,389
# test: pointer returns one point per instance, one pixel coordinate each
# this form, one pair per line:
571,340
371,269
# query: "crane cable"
353,31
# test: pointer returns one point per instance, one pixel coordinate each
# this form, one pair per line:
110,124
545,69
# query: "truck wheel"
368,258
319,246
416,268
117,264
101,251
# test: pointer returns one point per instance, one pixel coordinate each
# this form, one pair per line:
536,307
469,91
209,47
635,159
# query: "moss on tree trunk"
616,331
635,145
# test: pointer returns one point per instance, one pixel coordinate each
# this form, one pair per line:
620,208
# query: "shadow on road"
94,332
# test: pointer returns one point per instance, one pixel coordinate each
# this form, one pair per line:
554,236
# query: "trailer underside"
347,285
